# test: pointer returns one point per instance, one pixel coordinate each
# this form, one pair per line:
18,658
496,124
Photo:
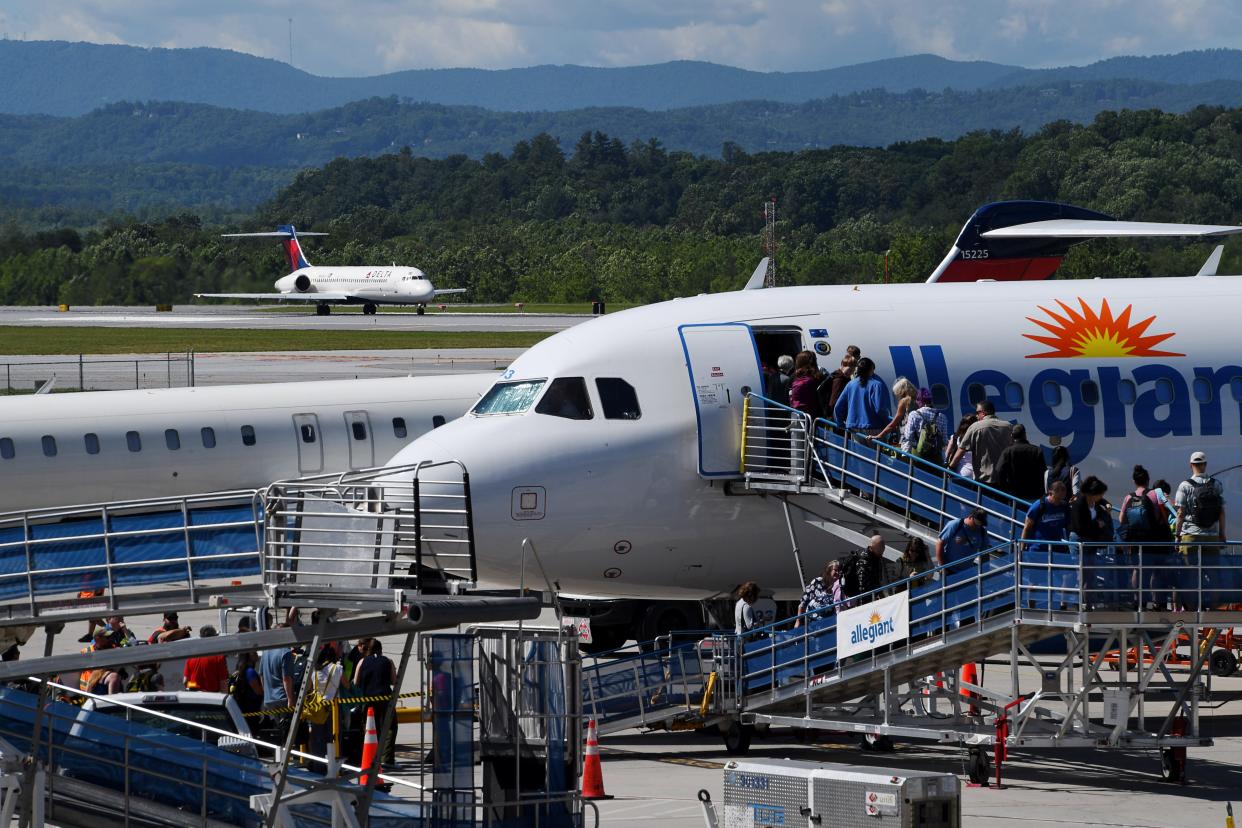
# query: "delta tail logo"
1084,332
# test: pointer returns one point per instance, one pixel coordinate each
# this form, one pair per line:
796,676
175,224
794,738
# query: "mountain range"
62,78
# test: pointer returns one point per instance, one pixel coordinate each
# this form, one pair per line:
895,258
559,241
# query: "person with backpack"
926,431
1200,530
244,684
1143,523
1063,471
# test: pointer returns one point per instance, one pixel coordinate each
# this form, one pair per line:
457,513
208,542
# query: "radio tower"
769,241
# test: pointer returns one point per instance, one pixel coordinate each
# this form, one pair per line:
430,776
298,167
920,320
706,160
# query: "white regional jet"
326,285
65,449
611,445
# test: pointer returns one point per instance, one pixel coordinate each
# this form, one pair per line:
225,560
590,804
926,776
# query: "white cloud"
371,36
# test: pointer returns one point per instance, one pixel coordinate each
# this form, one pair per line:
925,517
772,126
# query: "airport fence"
99,373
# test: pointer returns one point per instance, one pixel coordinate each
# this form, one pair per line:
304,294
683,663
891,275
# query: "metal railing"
371,530
101,373
783,446
101,550
1058,584
680,679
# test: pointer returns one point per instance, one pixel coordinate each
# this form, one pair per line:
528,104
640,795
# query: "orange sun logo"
1086,333
874,619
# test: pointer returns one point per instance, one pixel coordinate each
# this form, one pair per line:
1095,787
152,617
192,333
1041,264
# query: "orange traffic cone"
370,744
970,675
592,772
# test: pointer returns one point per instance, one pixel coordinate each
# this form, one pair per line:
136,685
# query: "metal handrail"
872,462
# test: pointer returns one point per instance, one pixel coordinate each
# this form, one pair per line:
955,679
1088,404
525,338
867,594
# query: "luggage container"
794,794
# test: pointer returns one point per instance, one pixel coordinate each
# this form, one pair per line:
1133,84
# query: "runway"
265,318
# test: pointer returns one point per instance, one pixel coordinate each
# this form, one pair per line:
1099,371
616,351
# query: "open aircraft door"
724,366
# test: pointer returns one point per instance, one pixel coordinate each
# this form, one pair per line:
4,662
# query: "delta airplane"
610,446
59,450
326,285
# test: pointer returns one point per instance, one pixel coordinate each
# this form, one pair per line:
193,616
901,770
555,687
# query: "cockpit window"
509,398
618,398
566,397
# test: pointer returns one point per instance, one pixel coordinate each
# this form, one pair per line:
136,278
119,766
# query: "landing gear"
323,310
660,620
605,639
369,309
421,310
880,744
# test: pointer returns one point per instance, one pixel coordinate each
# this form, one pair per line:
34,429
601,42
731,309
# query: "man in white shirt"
1200,529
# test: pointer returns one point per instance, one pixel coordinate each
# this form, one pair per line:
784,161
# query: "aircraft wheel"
1224,663
421,310
369,309
323,310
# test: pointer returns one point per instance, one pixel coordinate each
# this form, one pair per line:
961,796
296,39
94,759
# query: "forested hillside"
604,218
157,159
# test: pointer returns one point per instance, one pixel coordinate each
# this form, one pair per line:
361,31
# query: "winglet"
755,282
1212,263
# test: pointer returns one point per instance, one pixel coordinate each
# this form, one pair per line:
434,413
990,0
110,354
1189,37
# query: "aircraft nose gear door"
724,365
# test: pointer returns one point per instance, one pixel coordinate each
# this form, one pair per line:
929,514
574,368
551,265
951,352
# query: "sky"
367,37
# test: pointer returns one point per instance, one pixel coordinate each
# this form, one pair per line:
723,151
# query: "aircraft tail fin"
288,236
976,256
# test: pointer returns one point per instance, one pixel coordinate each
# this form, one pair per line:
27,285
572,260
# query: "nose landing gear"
421,310
323,310
369,309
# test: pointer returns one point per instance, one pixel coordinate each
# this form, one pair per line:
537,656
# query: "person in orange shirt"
207,673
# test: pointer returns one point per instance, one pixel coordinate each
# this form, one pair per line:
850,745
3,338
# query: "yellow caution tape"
310,706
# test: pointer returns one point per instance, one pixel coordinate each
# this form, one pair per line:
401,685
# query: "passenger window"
1052,393
976,393
49,445
247,433
134,440
618,398
172,439
92,442
1127,393
359,429
1202,388
6,448
398,427
566,397
1090,392
209,436
1013,395
940,395
308,432
437,420
1164,391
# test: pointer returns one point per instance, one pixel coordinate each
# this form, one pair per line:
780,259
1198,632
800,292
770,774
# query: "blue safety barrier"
644,684
105,550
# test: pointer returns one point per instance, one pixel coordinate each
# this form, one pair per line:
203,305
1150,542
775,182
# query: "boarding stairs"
371,533
994,606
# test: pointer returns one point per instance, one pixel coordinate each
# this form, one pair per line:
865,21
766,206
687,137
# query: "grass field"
20,340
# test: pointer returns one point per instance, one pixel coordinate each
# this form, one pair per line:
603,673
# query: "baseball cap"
1198,457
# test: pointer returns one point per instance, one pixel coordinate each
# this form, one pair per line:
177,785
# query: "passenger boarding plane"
326,285
610,445
66,449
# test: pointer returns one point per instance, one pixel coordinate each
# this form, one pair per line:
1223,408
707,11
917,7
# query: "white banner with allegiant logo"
881,622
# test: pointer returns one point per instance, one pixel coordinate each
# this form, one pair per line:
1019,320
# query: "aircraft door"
723,365
310,443
361,446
